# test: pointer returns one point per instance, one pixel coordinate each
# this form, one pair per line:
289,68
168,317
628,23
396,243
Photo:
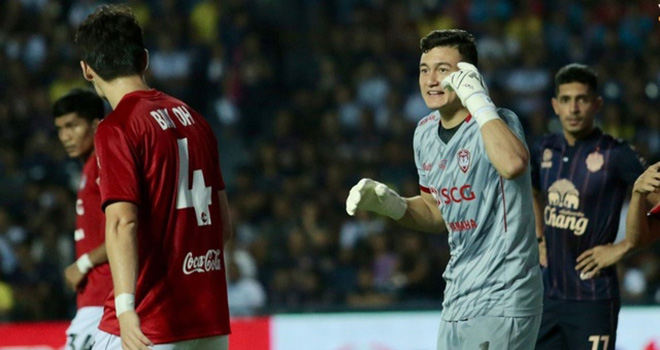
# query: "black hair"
110,41
576,73
458,38
86,103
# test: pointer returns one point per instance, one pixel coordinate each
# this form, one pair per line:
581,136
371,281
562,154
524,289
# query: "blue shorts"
577,325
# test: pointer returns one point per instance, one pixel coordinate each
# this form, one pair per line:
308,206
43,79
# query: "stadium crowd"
307,97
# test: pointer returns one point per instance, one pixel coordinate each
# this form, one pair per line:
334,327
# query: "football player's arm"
76,272
639,228
98,255
505,151
121,243
423,214
227,231
538,203
419,212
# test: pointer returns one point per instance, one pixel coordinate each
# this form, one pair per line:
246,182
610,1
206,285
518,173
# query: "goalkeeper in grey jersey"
474,182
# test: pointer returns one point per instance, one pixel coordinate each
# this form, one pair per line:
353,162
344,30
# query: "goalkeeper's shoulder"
507,114
429,122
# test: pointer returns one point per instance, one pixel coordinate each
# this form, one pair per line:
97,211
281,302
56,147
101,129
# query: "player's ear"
599,103
555,105
145,60
95,124
86,71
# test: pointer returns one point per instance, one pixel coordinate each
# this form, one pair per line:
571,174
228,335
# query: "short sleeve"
118,166
630,164
512,121
421,173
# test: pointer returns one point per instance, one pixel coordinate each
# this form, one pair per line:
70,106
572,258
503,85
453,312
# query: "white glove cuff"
397,207
482,108
124,302
84,264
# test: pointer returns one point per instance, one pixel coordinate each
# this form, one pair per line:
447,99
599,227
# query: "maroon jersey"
158,153
89,234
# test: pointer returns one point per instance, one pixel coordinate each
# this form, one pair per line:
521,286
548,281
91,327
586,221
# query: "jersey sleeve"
421,173
117,161
512,121
630,164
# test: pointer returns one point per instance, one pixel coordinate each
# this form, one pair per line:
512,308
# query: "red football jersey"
158,153
89,234
655,210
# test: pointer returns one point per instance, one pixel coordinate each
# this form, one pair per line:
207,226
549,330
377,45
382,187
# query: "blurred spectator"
307,97
246,294
366,294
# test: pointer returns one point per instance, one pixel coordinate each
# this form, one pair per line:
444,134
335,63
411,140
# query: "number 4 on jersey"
199,197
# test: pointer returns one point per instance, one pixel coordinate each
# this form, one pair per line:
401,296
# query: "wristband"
84,264
482,108
124,302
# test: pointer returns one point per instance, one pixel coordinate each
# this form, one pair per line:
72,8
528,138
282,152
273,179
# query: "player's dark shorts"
578,325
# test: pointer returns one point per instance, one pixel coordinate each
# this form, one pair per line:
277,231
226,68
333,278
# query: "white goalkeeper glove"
470,87
376,197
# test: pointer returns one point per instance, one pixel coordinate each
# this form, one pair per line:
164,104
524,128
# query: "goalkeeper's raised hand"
470,87
374,196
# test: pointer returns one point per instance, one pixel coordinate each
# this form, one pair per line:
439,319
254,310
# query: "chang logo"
563,194
561,211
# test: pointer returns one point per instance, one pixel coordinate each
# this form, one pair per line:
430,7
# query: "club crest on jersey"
595,161
463,160
443,164
547,158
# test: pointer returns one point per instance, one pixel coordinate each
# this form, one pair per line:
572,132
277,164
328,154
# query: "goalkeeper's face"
76,134
434,66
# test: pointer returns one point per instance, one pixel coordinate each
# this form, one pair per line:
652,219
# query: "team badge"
463,160
547,158
443,164
595,161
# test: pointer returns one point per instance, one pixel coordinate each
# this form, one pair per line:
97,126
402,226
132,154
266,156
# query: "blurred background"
307,97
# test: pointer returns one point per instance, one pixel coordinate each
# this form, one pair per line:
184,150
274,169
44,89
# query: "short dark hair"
458,38
110,42
87,104
576,73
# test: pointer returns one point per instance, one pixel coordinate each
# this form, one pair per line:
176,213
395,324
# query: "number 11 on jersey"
199,197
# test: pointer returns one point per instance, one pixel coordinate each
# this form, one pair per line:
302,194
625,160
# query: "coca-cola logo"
202,263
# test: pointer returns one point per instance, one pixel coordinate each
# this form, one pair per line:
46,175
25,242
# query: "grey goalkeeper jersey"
494,265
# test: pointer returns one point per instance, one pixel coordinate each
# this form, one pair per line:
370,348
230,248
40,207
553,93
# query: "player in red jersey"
162,191
77,115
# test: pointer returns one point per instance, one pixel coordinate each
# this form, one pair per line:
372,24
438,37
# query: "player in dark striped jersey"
581,177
